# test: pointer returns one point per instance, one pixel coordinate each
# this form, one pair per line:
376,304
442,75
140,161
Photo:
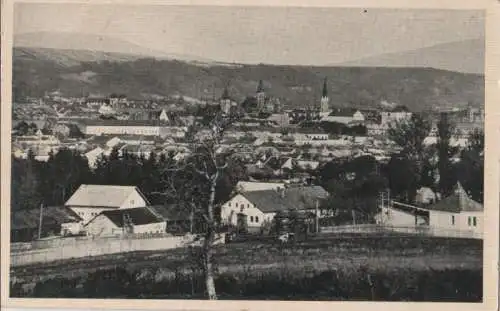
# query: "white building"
93,155
358,117
88,201
131,127
140,220
457,212
316,136
252,209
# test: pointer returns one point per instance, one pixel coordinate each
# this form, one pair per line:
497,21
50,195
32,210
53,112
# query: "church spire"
225,93
325,89
260,88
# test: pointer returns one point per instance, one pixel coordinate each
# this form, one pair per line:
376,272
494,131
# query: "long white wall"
73,248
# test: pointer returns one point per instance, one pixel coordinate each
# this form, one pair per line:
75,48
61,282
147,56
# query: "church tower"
325,101
225,101
261,96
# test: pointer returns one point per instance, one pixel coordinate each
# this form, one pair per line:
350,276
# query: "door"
241,223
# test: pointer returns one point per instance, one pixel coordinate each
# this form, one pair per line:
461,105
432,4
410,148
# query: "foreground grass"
322,268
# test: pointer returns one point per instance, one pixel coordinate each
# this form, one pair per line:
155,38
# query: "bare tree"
192,183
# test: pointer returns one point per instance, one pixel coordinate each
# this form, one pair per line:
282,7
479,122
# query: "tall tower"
225,101
261,96
325,101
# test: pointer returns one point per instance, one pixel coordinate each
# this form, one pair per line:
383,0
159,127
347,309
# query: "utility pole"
317,216
40,222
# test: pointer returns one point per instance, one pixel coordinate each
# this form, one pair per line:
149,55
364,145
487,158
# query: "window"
229,204
256,218
236,204
474,221
248,205
251,218
452,220
469,220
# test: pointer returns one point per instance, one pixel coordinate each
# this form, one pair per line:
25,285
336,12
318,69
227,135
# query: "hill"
83,43
463,56
68,58
34,73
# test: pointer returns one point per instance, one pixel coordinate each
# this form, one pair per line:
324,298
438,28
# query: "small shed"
140,220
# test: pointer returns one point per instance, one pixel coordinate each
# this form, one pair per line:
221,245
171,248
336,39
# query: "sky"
278,35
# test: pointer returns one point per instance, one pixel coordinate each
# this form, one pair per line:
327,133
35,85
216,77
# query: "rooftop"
138,216
101,196
457,202
293,198
28,219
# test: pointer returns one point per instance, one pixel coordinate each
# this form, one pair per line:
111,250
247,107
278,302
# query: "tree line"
54,181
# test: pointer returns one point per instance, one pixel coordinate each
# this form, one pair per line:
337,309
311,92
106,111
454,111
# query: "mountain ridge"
35,73
94,43
460,56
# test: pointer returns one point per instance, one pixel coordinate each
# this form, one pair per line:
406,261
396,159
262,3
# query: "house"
138,220
56,220
457,212
93,155
316,136
358,117
129,127
252,209
89,201
341,115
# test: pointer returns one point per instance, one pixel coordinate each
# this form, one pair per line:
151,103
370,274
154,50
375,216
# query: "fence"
411,230
66,248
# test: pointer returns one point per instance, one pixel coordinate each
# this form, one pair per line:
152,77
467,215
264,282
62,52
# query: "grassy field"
321,268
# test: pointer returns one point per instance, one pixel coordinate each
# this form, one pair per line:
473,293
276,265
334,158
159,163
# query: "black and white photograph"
247,153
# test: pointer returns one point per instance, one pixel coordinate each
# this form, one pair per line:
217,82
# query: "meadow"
347,267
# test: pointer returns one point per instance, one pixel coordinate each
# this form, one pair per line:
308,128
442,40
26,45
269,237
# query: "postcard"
250,156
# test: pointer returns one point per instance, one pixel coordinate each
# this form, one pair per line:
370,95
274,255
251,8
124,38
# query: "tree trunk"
208,243
207,265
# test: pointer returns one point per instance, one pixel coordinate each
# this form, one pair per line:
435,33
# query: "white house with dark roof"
253,208
457,212
88,201
454,216
139,220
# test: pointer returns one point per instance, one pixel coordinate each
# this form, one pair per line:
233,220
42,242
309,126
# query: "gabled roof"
52,215
102,196
137,216
295,197
457,202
